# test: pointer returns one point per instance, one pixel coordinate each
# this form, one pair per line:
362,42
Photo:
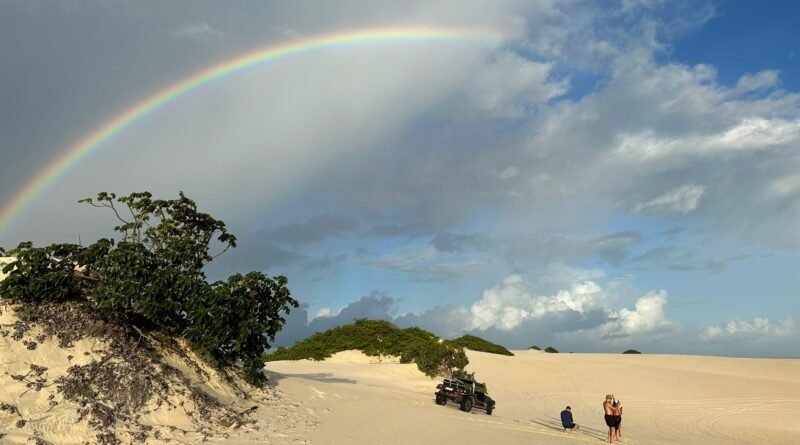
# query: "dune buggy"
467,394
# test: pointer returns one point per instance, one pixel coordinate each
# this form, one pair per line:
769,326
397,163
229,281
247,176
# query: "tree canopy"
153,278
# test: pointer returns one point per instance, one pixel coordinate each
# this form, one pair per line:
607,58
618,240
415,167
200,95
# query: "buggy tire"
441,400
489,410
466,404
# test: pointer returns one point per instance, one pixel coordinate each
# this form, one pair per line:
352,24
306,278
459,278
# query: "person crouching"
567,422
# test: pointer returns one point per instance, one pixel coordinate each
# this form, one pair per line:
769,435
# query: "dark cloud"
680,259
409,230
453,242
324,262
315,229
375,306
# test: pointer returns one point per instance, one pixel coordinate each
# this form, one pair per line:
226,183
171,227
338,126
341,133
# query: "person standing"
618,407
566,421
610,416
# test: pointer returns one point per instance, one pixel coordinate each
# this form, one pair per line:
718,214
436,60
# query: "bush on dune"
474,343
377,337
631,351
153,279
551,350
535,348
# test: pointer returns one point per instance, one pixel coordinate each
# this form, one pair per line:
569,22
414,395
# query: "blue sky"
746,37
608,175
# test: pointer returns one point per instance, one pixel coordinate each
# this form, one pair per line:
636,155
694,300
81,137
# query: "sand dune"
667,399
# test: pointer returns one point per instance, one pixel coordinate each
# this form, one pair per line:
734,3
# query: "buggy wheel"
466,405
489,410
441,400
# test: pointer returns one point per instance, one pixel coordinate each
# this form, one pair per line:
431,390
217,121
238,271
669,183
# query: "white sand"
666,399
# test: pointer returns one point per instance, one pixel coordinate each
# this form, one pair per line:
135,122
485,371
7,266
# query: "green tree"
174,230
153,278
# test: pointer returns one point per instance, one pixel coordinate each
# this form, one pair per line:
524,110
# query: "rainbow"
72,155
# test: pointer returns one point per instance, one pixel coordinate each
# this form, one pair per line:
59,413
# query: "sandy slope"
667,399
34,410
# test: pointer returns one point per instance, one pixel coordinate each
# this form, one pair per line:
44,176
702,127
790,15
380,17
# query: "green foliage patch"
631,351
433,356
535,348
153,279
474,343
551,350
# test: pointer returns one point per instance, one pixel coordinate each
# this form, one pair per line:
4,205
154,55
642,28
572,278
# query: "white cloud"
325,312
642,323
509,304
759,329
757,81
198,31
510,84
682,199
647,316
748,134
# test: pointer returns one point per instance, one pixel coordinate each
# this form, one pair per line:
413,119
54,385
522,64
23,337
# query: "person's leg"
610,434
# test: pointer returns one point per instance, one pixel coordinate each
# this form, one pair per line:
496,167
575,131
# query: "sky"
598,177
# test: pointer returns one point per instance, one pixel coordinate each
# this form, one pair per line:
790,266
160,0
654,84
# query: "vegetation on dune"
631,351
474,343
432,355
551,349
535,348
153,280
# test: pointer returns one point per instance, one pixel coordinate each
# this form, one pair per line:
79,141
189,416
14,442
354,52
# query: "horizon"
592,176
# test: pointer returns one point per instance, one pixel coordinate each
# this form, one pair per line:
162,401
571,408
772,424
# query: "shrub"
478,344
153,278
551,349
536,348
42,274
631,351
377,337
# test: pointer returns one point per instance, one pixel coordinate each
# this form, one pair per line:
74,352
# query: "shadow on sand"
586,431
274,377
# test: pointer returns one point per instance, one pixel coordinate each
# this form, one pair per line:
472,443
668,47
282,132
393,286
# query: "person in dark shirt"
567,422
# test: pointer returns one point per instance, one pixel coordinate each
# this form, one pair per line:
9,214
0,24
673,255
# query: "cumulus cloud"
647,316
757,330
682,199
509,304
